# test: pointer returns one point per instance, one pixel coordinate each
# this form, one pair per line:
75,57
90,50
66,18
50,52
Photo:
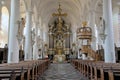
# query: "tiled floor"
61,71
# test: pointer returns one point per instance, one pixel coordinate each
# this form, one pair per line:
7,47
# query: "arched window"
4,27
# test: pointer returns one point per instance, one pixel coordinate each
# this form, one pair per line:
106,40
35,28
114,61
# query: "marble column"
13,48
28,36
109,54
35,47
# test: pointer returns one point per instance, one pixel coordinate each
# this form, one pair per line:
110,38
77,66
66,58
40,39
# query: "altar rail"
98,70
25,70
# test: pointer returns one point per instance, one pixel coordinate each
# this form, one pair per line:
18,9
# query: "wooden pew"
98,70
27,70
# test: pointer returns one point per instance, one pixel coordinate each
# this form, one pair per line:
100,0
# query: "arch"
71,7
35,16
22,9
98,14
4,26
25,3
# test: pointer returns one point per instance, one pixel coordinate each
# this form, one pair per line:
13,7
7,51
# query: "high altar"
59,36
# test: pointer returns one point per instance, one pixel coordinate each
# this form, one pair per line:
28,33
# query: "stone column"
109,40
0,15
35,47
92,25
42,43
28,36
13,48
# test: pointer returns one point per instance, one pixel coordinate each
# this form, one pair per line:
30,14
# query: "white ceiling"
77,10
71,7
74,8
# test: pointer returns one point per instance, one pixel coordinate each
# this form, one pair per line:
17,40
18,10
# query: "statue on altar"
59,43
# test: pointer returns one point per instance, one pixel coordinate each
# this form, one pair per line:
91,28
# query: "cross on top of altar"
59,14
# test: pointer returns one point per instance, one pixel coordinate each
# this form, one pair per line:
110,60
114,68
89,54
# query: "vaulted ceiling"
77,10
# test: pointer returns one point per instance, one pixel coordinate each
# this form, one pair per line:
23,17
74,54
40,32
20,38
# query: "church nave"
59,39
62,71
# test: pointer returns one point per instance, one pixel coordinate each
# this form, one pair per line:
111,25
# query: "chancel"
59,39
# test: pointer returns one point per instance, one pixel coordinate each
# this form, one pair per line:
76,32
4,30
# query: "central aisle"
61,71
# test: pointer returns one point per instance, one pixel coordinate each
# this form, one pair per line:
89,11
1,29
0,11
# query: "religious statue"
46,49
102,25
33,36
50,28
59,43
73,48
102,29
21,25
40,47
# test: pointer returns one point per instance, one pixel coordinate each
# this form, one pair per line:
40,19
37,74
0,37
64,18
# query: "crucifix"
59,31
59,14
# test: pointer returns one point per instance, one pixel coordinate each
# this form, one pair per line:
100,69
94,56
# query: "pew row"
25,70
98,70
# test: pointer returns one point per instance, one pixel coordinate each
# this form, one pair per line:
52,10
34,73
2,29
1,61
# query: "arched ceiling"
71,7
77,10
